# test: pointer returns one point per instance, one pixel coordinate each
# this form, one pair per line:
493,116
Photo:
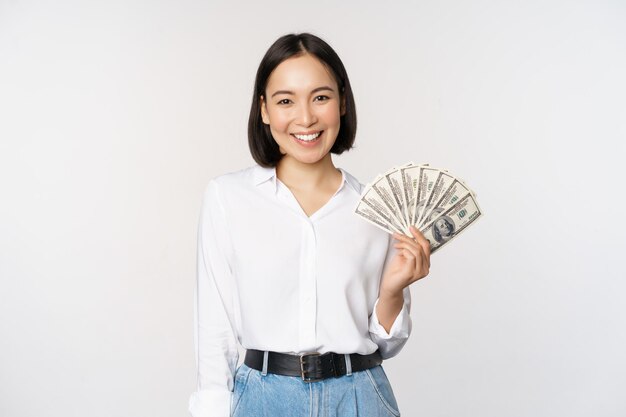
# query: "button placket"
308,287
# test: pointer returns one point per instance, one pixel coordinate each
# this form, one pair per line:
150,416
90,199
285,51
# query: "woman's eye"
318,98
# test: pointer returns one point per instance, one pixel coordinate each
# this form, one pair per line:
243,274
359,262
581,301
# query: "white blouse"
272,278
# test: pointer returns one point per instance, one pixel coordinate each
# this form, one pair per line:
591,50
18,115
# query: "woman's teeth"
308,138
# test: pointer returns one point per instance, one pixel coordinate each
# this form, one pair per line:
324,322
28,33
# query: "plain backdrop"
115,114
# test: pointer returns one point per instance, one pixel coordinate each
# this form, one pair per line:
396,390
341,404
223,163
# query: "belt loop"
348,364
265,354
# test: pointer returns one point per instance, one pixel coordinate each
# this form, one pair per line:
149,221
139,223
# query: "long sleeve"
391,343
214,337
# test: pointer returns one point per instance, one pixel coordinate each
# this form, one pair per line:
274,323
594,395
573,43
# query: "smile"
307,138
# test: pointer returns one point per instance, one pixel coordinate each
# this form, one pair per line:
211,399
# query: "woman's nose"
306,116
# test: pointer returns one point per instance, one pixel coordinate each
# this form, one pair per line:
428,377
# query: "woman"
317,296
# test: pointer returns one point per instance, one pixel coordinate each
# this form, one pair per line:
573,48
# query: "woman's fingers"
419,245
418,239
417,253
410,243
403,237
423,242
410,247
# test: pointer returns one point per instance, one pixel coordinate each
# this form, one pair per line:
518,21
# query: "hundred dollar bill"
451,222
410,179
409,185
371,206
454,193
462,181
396,185
370,215
373,216
425,184
443,181
382,188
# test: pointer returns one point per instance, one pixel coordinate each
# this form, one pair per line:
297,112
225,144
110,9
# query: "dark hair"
263,147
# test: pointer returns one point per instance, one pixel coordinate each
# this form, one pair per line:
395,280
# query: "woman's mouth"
307,139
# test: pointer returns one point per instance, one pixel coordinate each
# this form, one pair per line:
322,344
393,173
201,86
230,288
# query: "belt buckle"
306,378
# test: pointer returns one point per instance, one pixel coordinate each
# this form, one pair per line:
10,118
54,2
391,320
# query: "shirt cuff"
399,328
210,403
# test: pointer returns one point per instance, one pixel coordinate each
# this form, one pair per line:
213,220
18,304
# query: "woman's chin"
310,159
305,157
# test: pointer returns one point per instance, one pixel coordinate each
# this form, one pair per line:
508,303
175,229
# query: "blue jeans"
365,393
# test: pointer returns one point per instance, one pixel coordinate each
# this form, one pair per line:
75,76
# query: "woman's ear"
342,109
264,115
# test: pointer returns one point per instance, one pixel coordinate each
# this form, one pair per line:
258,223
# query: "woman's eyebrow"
315,90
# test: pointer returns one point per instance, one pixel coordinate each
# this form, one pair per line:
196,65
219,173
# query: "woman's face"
302,100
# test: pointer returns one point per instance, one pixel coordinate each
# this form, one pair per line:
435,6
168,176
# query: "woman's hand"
411,262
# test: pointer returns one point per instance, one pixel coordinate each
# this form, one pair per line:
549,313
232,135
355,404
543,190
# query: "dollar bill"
410,175
440,204
451,222
373,208
369,214
381,187
442,182
394,180
424,186
455,191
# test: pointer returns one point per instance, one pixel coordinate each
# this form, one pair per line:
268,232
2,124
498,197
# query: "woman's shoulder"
236,178
233,185
357,185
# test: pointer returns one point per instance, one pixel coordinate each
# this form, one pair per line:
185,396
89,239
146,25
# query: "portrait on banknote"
443,229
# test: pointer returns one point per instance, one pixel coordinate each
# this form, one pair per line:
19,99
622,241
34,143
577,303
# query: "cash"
438,203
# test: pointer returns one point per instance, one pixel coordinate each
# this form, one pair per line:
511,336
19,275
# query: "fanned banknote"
435,201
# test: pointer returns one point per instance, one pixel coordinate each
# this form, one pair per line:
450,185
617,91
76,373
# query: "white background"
115,114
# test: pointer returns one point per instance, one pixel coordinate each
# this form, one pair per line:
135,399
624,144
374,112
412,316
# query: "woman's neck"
303,176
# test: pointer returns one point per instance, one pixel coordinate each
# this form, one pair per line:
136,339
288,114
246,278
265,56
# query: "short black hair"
263,147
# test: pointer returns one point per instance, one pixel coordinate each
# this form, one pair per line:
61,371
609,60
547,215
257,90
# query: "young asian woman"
316,296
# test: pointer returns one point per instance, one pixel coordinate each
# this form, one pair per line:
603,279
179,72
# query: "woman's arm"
215,342
388,307
391,339
390,322
408,262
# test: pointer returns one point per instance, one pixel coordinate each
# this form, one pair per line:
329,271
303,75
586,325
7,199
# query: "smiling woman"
301,79
303,122
300,283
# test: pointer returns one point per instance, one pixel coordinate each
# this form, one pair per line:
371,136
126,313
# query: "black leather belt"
311,366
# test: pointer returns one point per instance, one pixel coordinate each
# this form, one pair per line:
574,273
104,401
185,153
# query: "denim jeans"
364,393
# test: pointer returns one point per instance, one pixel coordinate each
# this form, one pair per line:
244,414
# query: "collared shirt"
270,277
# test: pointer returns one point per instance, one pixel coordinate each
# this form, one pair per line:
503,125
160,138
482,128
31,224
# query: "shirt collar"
263,174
